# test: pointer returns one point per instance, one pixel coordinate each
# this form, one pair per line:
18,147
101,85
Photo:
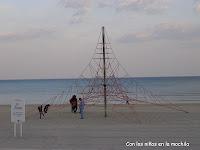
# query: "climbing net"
121,87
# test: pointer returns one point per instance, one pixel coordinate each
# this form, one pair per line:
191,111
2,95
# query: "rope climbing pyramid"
105,81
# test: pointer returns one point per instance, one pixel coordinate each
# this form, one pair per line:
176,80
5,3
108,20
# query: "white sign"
18,111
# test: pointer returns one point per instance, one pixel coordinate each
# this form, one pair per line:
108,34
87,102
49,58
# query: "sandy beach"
61,129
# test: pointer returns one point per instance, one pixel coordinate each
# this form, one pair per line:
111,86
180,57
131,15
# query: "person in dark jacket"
74,104
46,107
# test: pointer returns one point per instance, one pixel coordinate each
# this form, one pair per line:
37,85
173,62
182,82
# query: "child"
40,111
81,107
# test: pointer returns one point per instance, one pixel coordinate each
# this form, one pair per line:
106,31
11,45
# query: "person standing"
46,107
73,102
81,107
40,111
75,105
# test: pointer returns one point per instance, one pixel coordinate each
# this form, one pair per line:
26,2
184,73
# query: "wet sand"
61,129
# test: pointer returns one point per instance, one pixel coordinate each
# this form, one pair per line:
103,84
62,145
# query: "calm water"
185,89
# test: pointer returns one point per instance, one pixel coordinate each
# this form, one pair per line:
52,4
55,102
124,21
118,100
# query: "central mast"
104,71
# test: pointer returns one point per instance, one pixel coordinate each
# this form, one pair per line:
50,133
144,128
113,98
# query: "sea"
37,91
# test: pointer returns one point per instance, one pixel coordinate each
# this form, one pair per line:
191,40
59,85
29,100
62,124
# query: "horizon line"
70,78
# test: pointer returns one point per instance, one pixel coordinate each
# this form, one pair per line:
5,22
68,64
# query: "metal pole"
15,128
136,91
104,72
21,129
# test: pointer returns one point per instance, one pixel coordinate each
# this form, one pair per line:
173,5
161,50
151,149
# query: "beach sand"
61,129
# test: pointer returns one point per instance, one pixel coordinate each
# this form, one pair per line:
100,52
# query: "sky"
56,38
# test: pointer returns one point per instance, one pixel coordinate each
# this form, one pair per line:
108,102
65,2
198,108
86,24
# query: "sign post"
15,126
18,114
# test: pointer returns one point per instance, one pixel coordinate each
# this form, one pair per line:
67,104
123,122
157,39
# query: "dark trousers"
41,114
74,109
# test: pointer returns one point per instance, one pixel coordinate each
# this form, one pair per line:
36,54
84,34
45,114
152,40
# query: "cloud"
80,8
176,31
197,6
6,8
26,35
108,3
164,31
76,4
135,37
150,6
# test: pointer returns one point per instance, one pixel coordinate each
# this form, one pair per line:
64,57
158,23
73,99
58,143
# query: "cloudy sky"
56,38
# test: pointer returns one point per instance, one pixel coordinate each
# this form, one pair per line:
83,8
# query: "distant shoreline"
151,77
